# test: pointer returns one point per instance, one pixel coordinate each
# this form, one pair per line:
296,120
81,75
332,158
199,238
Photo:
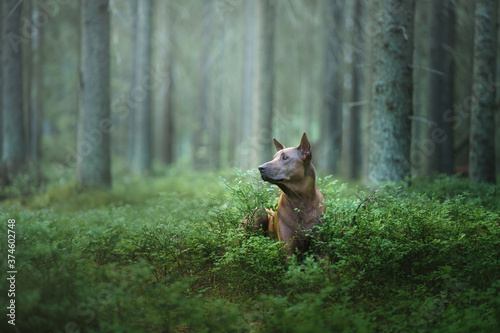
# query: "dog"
301,204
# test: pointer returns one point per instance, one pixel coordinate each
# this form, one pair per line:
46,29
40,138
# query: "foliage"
25,182
444,187
160,255
248,193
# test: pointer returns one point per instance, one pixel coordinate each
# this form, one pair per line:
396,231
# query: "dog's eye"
284,157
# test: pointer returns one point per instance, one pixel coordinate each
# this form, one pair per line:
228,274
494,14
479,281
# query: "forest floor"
166,254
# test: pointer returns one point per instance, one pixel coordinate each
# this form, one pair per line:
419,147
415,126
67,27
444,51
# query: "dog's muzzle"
266,177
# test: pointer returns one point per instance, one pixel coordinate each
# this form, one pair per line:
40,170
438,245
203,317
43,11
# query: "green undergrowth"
170,254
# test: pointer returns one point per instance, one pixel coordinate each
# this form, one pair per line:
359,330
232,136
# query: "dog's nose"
262,168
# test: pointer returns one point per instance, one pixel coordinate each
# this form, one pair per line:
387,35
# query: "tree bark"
165,122
13,143
439,138
482,131
263,83
141,92
35,89
351,141
244,150
131,126
201,142
366,108
392,92
220,97
332,127
93,134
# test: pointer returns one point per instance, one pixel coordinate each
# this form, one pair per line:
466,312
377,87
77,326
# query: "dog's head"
288,164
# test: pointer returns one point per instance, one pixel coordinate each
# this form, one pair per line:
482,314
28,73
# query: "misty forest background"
207,84
130,136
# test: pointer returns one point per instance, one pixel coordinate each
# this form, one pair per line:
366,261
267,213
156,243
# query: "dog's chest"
299,220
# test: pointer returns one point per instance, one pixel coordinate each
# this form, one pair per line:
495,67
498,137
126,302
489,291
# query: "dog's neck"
304,193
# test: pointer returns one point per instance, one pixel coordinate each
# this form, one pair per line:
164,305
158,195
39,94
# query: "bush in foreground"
424,259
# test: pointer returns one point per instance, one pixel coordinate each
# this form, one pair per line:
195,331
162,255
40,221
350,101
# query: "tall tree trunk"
164,128
420,153
141,91
332,127
131,126
366,107
262,105
439,138
168,130
247,93
13,143
93,135
201,147
482,132
351,142
459,117
35,89
392,92
219,98
233,134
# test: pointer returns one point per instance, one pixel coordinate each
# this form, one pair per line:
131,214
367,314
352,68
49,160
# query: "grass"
166,254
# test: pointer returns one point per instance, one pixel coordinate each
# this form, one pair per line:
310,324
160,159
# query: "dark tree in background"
35,85
201,135
165,129
247,85
392,92
440,88
263,82
93,140
367,32
13,142
140,162
131,127
246,71
482,131
220,93
351,132
332,126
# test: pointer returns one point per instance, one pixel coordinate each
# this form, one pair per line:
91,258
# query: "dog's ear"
278,145
305,147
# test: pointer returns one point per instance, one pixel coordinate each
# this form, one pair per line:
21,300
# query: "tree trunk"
263,83
169,120
168,129
219,98
201,142
392,92
140,93
366,108
351,142
131,126
93,135
164,122
332,127
482,132
420,118
459,117
13,143
439,138
244,149
35,89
